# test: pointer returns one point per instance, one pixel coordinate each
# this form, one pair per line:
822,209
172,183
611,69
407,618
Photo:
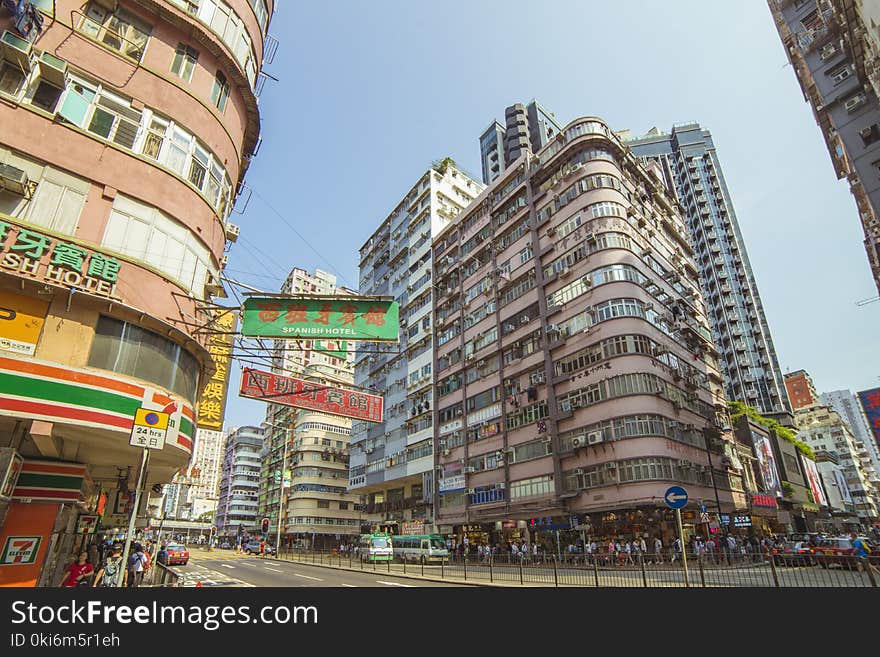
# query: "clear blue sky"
371,93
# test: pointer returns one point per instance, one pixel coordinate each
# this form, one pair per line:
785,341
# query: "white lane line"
351,586
274,570
409,586
317,579
227,566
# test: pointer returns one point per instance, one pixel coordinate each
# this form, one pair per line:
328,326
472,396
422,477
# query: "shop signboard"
212,403
35,255
21,320
20,550
337,348
288,391
764,501
452,484
325,318
412,528
842,486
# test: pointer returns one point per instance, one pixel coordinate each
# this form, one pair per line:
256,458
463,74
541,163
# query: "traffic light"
265,525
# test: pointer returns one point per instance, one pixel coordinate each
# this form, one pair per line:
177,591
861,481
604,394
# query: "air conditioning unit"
565,273
856,101
828,52
683,463
223,260
13,180
447,452
587,281
53,69
578,441
594,437
611,465
472,491
524,320
579,471
536,377
469,470
551,231
16,50
842,75
500,485
232,231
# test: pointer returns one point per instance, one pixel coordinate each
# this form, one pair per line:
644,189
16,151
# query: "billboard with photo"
767,464
870,402
814,481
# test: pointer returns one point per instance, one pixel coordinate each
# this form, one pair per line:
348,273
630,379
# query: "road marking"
351,586
274,570
225,565
394,583
307,577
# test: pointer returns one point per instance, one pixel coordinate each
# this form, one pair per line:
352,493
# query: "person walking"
137,565
109,572
658,549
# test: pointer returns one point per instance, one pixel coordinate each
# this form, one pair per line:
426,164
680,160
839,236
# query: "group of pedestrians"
101,564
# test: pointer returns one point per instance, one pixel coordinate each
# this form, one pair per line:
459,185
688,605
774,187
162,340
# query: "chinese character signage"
371,320
31,254
764,501
288,391
212,403
452,483
870,401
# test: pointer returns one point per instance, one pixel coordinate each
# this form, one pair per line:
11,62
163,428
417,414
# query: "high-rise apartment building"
197,487
833,47
527,128
238,506
823,429
801,390
317,510
392,464
576,376
125,128
691,167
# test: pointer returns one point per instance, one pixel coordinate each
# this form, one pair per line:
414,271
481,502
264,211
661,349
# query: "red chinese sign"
278,389
766,501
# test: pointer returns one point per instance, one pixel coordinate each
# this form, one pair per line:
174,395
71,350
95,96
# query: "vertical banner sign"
870,401
212,403
285,390
349,318
814,480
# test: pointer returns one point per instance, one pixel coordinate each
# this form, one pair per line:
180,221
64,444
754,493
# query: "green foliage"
441,166
787,489
738,409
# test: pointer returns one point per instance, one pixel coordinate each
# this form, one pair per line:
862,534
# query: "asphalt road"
223,568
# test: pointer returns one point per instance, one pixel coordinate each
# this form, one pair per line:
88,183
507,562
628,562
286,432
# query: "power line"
305,241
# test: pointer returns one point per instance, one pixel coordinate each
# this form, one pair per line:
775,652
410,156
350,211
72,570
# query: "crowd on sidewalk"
101,564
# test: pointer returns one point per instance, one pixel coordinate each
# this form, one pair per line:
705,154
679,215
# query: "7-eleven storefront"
67,469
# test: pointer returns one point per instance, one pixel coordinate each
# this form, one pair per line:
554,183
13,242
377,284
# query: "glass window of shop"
134,351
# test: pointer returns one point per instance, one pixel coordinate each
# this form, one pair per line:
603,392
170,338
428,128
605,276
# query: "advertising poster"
814,481
767,464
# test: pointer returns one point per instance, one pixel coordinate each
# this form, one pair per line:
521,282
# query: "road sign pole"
145,457
684,559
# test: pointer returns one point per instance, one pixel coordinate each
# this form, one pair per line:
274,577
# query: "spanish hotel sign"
322,318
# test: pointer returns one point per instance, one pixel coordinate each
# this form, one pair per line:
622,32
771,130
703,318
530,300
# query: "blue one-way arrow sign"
676,497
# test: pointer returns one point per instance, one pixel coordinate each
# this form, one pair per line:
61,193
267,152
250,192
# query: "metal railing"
161,576
641,571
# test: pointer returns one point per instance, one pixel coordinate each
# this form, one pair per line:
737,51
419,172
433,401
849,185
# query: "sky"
369,94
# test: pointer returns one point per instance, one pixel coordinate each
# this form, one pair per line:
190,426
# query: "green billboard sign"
338,348
370,320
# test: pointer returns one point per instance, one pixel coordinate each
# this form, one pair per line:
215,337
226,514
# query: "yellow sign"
212,404
21,320
149,429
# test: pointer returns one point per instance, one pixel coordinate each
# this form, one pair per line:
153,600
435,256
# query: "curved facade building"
576,377
125,129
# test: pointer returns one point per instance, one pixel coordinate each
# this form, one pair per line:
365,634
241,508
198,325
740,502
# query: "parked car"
225,545
793,553
839,550
253,547
178,555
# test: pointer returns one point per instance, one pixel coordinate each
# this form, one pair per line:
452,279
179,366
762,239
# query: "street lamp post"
281,492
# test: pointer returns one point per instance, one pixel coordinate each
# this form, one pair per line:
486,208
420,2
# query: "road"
225,568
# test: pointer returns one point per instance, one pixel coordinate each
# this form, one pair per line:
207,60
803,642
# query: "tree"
207,516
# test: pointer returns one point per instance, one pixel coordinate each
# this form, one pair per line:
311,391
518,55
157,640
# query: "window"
184,62
870,134
146,234
220,92
46,96
134,351
58,201
119,30
323,504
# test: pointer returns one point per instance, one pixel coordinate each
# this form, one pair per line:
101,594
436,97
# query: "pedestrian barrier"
641,571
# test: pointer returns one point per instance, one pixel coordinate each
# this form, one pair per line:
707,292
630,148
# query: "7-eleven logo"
20,550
